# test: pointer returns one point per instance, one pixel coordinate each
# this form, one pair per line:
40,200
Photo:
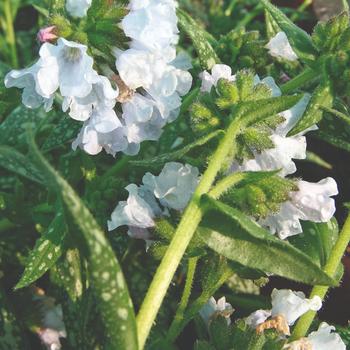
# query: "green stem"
225,184
330,268
306,76
10,33
182,237
192,264
196,306
336,113
300,9
117,167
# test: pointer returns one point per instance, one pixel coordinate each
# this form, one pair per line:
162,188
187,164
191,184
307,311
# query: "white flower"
292,305
257,317
219,71
72,68
102,130
312,202
102,96
213,308
174,186
51,338
32,96
280,47
152,24
135,212
286,303
325,339
78,8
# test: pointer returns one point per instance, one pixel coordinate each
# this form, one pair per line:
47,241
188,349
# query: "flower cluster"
149,86
171,189
215,308
287,307
312,201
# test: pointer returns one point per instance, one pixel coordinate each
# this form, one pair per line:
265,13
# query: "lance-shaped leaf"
232,234
207,55
12,130
12,160
300,41
66,130
107,278
46,252
322,97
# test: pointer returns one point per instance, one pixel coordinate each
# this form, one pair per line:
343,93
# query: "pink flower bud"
47,34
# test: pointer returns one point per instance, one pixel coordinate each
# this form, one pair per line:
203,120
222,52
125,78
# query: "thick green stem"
10,33
330,268
182,237
192,264
305,77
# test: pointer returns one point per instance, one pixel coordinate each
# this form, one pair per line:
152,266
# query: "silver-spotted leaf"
46,252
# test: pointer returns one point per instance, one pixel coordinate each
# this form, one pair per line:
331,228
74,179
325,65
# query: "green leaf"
46,252
67,273
107,278
299,40
12,130
322,97
207,55
176,155
335,131
232,234
317,241
66,130
220,333
19,164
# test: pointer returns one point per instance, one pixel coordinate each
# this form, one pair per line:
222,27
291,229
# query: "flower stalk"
10,33
303,78
182,237
330,268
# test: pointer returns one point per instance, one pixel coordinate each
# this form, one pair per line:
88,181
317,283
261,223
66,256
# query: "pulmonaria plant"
218,195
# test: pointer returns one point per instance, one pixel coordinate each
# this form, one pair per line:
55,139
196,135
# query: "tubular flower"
215,308
311,202
280,47
286,303
172,189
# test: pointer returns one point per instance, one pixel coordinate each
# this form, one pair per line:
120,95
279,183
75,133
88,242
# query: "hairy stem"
303,78
192,264
225,184
330,268
10,33
182,237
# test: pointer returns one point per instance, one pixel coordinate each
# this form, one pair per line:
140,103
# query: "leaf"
107,278
66,130
176,155
232,234
299,40
12,130
46,252
67,273
334,131
322,97
17,163
317,241
207,55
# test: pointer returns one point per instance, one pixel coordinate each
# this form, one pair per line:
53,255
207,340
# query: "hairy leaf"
298,38
17,163
206,53
231,233
322,97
